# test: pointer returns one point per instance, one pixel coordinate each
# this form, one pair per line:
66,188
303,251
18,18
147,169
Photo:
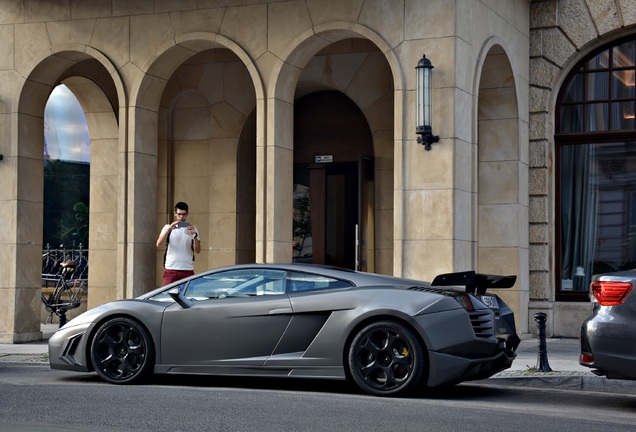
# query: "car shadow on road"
288,384
457,392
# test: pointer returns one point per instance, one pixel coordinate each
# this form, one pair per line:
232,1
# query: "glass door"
333,213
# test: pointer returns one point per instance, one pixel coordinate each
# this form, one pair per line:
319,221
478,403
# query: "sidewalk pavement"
567,374
562,355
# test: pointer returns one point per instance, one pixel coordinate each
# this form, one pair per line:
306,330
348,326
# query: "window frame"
586,137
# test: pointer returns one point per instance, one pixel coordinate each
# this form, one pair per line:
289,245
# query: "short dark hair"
181,206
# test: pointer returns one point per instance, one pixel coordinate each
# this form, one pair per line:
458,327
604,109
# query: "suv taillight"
609,293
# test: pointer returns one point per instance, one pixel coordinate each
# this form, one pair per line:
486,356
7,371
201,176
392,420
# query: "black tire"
122,351
386,358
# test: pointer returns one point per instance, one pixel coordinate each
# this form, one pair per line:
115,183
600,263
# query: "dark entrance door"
333,185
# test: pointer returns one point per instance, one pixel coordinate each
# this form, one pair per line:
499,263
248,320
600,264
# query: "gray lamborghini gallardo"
388,335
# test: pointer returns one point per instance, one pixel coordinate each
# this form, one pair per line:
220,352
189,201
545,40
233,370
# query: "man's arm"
197,243
164,233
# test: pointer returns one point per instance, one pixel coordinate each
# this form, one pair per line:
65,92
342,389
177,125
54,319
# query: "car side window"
237,283
298,282
164,296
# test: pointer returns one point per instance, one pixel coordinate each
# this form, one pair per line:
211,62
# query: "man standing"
182,242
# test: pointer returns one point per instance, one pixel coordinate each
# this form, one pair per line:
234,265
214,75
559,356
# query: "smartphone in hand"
183,224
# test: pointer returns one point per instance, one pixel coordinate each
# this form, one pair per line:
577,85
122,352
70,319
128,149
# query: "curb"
25,358
564,381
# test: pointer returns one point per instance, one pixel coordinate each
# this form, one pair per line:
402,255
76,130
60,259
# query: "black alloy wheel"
122,351
386,358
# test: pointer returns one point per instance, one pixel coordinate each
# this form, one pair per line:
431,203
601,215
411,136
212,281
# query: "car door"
237,318
312,297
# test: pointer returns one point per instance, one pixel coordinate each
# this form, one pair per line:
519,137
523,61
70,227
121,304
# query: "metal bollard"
61,314
542,353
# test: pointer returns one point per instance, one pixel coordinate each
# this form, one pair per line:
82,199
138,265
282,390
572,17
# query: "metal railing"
53,257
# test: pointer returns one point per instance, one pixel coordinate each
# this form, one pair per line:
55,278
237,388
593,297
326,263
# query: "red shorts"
170,276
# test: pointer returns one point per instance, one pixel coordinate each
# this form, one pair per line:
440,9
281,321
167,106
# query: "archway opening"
66,171
502,216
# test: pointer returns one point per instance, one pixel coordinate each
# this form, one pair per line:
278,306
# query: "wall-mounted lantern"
424,127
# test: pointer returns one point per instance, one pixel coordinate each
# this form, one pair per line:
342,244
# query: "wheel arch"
376,318
90,336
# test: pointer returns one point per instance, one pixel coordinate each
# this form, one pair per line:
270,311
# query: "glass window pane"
571,118
623,55
237,283
574,91
598,211
601,61
302,242
623,115
299,282
623,84
597,86
596,117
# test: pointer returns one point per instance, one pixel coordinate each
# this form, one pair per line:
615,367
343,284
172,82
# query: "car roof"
357,277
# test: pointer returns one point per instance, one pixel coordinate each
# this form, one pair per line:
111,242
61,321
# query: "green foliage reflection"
66,198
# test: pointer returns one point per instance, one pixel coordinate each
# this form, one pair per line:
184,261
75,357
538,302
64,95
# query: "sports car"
608,335
388,335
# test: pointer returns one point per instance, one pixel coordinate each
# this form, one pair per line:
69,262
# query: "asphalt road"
36,398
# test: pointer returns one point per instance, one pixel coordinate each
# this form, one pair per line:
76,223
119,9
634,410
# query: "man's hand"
191,231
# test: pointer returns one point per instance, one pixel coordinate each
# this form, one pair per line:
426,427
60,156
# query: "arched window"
596,169
66,171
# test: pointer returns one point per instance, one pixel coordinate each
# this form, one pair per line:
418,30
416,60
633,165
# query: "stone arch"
502,172
172,86
98,79
292,78
104,185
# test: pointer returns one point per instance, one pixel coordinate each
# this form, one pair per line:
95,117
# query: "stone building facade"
232,106
562,35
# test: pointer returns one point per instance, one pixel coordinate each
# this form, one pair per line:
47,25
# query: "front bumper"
68,350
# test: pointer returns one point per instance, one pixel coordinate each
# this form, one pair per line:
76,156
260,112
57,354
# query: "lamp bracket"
427,138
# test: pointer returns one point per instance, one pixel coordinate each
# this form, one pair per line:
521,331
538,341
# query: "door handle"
281,311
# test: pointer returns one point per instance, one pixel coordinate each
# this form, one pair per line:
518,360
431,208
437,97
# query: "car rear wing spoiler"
475,283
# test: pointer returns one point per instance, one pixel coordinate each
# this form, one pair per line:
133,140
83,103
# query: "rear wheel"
386,358
122,351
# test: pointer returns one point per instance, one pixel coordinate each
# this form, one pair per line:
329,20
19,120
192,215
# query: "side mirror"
176,295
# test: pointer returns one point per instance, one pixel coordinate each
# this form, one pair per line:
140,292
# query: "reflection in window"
597,168
598,211
164,296
237,283
599,95
311,282
302,241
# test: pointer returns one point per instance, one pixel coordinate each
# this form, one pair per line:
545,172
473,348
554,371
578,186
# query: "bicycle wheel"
71,295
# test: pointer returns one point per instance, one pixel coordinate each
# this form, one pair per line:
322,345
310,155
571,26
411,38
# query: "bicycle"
65,295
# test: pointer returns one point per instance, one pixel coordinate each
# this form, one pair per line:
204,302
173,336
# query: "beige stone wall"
204,111
192,86
562,33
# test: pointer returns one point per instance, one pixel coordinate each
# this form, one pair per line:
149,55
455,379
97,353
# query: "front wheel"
122,351
386,358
